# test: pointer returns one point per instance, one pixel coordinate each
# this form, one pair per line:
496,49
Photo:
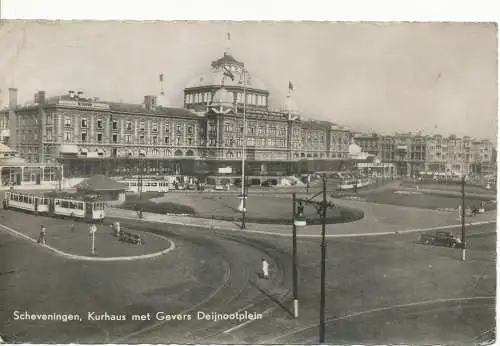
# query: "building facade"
414,153
88,136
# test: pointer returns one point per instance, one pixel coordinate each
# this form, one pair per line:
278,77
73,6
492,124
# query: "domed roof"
215,75
223,97
290,106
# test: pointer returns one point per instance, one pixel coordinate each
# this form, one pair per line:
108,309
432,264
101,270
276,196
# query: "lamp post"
243,154
321,208
463,218
322,328
297,221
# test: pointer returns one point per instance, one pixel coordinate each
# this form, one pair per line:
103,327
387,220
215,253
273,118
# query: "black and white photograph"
244,182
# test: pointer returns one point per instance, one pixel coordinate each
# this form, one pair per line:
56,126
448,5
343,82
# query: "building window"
167,129
154,126
99,123
141,139
99,137
128,138
178,129
155,140
190,141
177,140
115,125
167,139
129,126
84,136
67,122
155,152
115,138
67,136
190,130
141,125
50,119
48,134
84,122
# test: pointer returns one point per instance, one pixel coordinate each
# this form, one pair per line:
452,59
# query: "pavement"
76,244
379,219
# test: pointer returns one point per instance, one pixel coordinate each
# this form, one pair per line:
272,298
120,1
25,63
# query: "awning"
142,152
5,133
100,151
68,149
84,151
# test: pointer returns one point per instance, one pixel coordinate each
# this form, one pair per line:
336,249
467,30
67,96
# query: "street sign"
93,229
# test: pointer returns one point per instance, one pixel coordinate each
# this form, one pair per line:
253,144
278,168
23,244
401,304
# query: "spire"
162,91
228,44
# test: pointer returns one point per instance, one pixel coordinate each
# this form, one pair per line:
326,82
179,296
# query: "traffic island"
270,210
74,239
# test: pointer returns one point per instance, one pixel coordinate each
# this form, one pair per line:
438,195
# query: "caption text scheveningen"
149,316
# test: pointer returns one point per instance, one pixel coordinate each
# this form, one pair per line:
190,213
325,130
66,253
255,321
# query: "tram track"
240,290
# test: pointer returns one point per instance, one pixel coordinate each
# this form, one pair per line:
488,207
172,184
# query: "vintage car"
440,238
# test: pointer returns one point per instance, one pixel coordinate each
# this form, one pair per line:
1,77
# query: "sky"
375,77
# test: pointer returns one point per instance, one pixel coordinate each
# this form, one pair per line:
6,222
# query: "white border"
317,10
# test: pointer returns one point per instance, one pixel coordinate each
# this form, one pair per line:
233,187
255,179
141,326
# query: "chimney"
150,102
40,97
71,94
12,98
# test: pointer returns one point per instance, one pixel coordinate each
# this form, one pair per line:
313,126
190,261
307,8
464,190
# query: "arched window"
178,153
189,153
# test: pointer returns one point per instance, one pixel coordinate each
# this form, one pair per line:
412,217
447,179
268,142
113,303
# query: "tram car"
79,207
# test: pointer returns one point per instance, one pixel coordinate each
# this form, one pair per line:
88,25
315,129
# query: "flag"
161,77
228,73
290,86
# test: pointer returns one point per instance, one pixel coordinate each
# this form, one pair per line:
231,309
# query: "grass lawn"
426,201
260,209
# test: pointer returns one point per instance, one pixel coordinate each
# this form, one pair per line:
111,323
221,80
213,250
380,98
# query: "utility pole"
323,265
463,218
294,261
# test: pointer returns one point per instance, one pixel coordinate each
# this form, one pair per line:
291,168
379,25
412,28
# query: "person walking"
41,239
265,268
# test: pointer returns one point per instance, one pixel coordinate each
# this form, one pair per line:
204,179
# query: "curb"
278,234
94,259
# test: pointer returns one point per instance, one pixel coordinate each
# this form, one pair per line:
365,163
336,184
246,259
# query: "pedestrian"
41,240
265,268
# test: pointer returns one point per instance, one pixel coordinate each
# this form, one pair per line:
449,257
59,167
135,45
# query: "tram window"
58,202
80,205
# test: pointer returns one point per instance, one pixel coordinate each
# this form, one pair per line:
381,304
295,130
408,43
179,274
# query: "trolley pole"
463,218
322,328
294,261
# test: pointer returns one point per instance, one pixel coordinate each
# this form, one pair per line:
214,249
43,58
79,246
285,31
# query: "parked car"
440,238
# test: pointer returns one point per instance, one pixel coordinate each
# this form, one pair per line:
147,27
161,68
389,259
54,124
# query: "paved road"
215,271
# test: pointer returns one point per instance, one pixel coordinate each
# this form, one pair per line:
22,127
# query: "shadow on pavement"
270,296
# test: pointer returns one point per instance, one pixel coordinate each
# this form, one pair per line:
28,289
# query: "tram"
79,207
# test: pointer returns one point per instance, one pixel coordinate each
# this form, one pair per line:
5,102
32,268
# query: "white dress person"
265,268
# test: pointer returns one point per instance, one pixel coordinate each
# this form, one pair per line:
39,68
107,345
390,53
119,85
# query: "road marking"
89,258
366,312
241,325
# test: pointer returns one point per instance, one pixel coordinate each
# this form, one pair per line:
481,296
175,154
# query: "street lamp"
321,208
298,220
243,154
